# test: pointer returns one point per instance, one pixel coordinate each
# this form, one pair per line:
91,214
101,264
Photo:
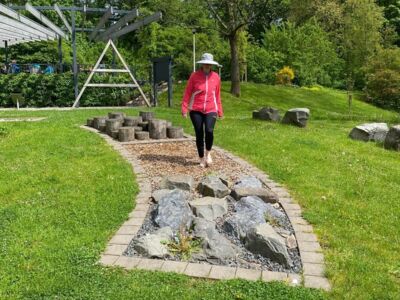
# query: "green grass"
63,192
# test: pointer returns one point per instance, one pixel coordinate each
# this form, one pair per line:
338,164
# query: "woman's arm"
218,94
187,95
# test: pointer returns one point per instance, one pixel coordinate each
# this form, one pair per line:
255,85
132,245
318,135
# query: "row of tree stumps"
142,127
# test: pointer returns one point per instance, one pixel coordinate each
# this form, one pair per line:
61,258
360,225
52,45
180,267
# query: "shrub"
383,79
285,76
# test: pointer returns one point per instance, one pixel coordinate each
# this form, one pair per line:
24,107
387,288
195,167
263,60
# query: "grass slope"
63,192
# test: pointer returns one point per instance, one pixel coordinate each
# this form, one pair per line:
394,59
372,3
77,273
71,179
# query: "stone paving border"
310,250
24,119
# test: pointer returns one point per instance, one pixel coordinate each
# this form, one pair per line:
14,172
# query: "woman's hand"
185,115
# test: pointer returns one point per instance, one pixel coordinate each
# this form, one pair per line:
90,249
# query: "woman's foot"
209,160
203,162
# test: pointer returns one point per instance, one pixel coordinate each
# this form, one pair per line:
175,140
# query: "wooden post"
146,115
113,125
175,132
74,58
158,129
126,134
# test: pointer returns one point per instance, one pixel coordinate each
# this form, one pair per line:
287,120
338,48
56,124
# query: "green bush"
41,90
306,49
383,79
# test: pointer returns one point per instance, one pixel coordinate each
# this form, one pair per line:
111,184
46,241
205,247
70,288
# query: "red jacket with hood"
203,93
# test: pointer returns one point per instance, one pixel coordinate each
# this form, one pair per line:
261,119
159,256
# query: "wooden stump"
169,124
102,128
126,134
114,134
132,121
144,125
89,122
147,115
175,132
98,121
116,115
142,135
113,125
158,129
137,128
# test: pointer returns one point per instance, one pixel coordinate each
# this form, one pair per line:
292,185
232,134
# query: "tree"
232,17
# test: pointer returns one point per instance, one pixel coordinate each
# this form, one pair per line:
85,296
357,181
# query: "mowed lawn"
63,192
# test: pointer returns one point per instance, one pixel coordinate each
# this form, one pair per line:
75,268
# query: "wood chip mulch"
162,159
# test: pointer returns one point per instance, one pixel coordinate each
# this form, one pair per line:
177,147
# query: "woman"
202,99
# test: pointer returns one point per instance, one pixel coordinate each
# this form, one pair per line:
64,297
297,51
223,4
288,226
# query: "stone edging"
310,250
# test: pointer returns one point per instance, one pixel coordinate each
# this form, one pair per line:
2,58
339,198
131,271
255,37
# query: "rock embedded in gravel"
209,208
392,140
266,195
179,181
248,182
370,132
214,245
173,211
297,117
263,240
212,186
154,245
159,194
291,242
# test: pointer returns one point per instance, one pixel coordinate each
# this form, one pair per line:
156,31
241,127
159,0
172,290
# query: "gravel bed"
181,158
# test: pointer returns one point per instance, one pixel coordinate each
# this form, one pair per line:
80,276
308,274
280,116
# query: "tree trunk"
235,71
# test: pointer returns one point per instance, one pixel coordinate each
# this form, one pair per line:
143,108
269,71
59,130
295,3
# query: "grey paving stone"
302,228
108,260
248,274
306,237
222,272
312,257
273,276
134,222
115,249
128,230
294,279
198,270
127,262
150,264
309,246
317,282
141,207
121,239
138,214
174,266
313,269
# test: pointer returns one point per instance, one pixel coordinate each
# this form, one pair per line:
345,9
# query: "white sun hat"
207,59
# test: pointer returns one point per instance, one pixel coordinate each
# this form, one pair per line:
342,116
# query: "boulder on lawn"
370,132
297,117
392,140
267,114
212,186
250,212
209,208
154,245
266,195
173,211
214,245
179,181
248,181
263,240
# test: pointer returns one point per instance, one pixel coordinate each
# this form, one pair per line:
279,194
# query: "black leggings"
203,122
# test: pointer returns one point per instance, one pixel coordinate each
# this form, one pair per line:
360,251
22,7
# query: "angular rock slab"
250,212
159,194
370,132
179,181
392,140
263,240
297,117
268,114
248,182
173,211
212,186
209,208
214,245
154,245
266,195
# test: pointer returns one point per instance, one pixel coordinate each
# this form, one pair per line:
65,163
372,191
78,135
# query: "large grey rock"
214,245
392,140
263,240
180,181
209,208
212,186
159,194
265,194
173,210
154,245
370,132
268,114
297,117
249,181
250,212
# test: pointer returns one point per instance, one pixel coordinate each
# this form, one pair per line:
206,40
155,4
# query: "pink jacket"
203,93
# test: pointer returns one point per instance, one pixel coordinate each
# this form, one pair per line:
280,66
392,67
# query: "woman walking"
202,99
